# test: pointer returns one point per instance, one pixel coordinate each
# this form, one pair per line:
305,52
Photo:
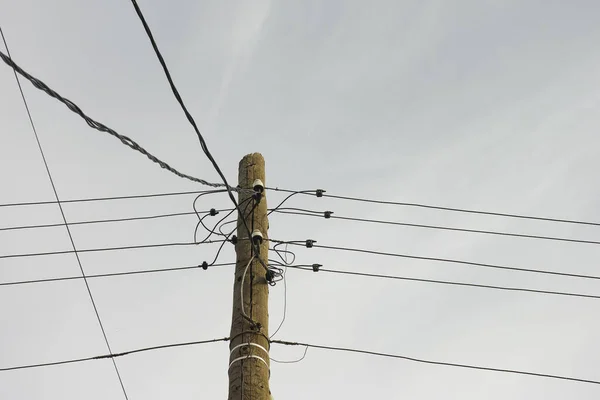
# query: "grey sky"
478,104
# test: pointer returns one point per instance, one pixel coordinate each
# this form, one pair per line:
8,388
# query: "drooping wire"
286,252
442,363
227,238
201,219
282,272
328,215
242,290
293,361
64,218
439,259
289,197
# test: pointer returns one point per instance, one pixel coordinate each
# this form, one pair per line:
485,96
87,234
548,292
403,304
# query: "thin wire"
286,252
311,213
291,362
403,278
230,233
462,210
94,199
115,355
101,127
142,246
289,197
242,289
187,113
284,307
447,364
112,220
141,272
64,218
447,260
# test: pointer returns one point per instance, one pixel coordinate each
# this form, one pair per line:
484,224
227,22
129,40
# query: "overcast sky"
489,104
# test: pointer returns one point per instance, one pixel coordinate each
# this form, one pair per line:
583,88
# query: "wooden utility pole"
249,344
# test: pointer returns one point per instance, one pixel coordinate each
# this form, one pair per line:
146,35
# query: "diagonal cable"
64,218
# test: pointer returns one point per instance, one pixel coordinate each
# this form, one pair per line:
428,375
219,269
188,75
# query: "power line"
39,144
114,355
312,213
189,116
110,220
465,284
434,207
142,246
95,199
107,275
99,126
447,364
438,259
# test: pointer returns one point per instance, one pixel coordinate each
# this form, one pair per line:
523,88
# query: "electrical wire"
242,290
200,219
464,284
445,260
100,221
286,252
442,363
312,213
142,246
189,116
283,274
289,197
132,144
114,355
293,361
39,145
95,199
461,210
113,274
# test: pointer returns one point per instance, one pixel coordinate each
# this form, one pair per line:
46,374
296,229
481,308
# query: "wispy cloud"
250,19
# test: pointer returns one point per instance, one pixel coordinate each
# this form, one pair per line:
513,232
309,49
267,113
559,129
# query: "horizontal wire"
466,284
312,213
112,220
442,363
439,259
115,355
143,246
112,274
434,207
95,199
